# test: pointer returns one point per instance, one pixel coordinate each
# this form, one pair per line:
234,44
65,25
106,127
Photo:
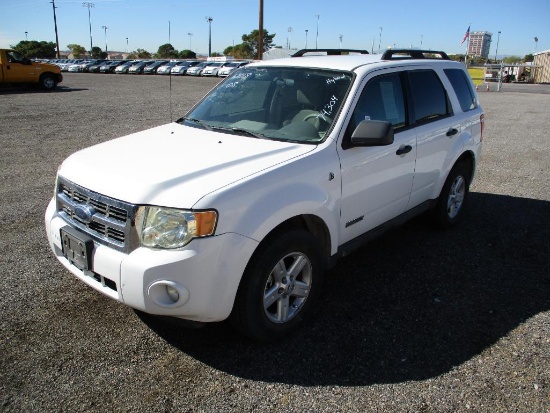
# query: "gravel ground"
417,321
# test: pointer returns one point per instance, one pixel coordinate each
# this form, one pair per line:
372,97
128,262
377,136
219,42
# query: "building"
479,44
541,65
277,53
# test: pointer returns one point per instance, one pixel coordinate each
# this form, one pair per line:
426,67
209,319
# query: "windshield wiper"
193,120
240,131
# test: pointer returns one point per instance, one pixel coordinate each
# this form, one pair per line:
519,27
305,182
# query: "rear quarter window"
463,88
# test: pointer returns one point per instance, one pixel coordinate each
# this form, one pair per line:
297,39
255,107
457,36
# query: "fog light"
172,293
168,294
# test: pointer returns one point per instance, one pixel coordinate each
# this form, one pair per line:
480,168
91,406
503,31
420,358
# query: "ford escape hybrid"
236,209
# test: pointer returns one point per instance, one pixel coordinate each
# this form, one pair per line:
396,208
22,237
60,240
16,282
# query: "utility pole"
89,6
261,31
55,24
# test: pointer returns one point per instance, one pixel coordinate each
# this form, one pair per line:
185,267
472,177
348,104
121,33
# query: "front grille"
112,222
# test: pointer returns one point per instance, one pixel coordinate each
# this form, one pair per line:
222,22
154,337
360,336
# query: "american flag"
466,35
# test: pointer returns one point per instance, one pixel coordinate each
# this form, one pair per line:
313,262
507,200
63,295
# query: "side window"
428,96
463,88
381,99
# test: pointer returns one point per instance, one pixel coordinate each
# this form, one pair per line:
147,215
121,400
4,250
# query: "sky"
359,24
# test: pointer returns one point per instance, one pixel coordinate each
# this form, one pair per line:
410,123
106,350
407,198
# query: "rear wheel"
452,200
279,287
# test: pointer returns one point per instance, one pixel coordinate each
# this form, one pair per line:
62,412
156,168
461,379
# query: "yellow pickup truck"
16,68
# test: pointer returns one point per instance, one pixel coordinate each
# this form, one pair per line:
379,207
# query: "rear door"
437,131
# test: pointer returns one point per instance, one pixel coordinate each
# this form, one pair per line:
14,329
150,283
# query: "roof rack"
329,52
403,54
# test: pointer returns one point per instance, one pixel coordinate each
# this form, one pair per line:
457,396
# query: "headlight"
170,228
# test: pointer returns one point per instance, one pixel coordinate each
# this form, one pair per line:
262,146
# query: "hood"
173,165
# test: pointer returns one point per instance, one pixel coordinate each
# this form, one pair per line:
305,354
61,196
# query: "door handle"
452,132
403,150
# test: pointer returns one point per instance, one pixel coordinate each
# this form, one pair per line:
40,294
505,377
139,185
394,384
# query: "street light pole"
380,40
209,20
496,51
341,37
317,35
89,6
306,38
190,35
126,45
105,28
26,33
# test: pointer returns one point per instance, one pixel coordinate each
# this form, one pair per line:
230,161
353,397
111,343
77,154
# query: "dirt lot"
419,320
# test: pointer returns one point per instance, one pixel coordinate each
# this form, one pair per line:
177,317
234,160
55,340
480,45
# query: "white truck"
237,208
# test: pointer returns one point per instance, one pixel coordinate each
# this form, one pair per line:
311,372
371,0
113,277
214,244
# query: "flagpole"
468,44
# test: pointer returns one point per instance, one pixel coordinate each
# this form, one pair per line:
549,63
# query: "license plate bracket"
77,248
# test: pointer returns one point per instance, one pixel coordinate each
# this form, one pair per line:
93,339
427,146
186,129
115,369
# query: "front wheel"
452,200
279,287
48,82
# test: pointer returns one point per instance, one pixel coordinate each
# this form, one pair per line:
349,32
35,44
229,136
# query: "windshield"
279,103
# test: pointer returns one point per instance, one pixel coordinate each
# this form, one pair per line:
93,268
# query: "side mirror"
372,133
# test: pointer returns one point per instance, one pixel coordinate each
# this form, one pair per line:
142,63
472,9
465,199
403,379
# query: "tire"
452,200
280,286
48,82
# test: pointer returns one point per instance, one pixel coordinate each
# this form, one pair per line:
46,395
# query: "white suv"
236,209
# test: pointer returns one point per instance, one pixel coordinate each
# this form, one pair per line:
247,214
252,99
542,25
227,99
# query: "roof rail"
402,54
329,52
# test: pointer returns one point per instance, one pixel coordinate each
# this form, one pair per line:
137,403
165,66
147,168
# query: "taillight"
482,122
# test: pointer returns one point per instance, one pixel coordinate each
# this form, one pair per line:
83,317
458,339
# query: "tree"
34,49
166,51
512,59
187,54
251,40
215,54
96,52
139,54
528,58
76,50
240,51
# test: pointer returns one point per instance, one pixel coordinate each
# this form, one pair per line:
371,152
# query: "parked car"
212,69
123,68
181,68
151,68
78,66
197,69
137,68
166,68
289,165
229,67
109,67
94,64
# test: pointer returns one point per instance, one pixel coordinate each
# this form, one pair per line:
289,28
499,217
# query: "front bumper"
206,273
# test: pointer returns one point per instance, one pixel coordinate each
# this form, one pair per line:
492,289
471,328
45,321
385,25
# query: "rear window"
463,88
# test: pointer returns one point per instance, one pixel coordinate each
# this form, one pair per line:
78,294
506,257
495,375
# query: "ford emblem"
84,213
